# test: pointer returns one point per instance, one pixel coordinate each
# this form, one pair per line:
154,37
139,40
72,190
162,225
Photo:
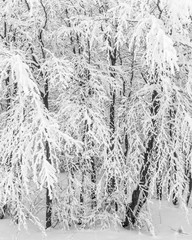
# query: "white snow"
170,223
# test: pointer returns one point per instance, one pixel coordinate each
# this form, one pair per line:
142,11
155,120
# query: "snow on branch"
27,128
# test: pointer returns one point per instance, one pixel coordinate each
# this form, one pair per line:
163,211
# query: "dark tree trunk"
81,196
174,197
140,194
48,196
159,189
159,185
48,209
188,181
93,180
45,97
111,181
2,211
8,97
93,167
172,113
190,188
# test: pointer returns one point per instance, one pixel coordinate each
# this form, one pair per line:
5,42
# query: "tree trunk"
159,189
47,153
190,188
48,197
2,211
93,180
174,197
159,185
172,113
140,194
111,182
111,185
45,97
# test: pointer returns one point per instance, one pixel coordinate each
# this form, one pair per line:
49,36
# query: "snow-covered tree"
101,92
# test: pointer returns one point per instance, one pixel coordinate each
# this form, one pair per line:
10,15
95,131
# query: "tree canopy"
98,93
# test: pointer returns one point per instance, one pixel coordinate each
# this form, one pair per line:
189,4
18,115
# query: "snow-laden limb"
160,53
180,12
160,50
82,106
58,70
26,128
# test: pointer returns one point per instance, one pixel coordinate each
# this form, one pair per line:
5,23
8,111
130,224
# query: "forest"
95,110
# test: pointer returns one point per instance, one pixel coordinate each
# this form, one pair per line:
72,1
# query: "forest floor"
170,223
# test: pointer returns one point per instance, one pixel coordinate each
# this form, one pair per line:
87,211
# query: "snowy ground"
167,222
